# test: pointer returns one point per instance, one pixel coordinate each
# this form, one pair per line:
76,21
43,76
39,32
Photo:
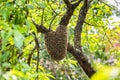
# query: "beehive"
56,42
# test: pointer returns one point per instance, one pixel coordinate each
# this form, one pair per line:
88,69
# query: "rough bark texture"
82,60
78,54
78,29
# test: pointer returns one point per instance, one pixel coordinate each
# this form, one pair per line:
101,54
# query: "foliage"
113,73
100,42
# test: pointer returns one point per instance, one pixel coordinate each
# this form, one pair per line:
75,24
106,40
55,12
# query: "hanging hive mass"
56,42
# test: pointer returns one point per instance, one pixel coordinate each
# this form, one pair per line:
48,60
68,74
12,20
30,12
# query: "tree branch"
66,17
38,52
42,20
67,3
76,4
77,52
52,21
78,29
40,28
30,56
52,8
82,60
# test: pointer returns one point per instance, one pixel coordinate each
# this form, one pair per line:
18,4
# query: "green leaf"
5,35
26,67
5,13
51,76
4,56
18,39
6,65
3,0
18,73
30,6
42,5
107,73
43,76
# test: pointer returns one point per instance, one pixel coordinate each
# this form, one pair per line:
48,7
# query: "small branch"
42,20
117,3
30,56
87,40
38,52
40,28
52,7
108,38
38,49
67,75
28,43
104,32
27,11
67,3
52,21
14,1
109,6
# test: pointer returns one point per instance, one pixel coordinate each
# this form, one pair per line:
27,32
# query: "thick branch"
78,29
76,4
67,3
78,54
66,17
82,60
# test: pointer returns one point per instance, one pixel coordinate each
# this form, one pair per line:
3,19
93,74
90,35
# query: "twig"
27,10
52,7
28,43
42,20
30,56
104,32
52,21
109,6
87,40
40,28
108,37
68,4
38,52
67,74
